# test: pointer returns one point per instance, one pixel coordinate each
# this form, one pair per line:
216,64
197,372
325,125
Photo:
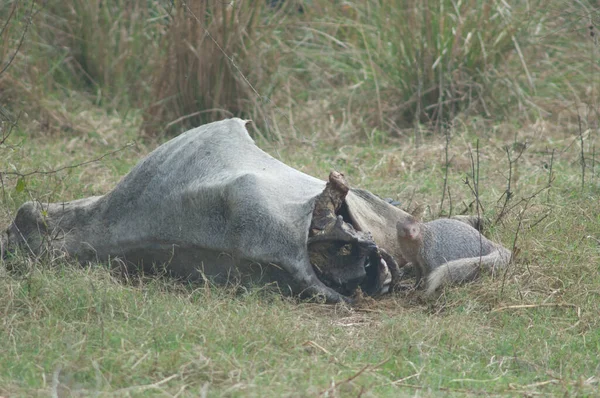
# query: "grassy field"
334,96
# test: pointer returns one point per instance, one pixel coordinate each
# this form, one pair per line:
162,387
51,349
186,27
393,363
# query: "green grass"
93,333
84,331
337,84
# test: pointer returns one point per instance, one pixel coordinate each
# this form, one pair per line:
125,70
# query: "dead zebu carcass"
210,203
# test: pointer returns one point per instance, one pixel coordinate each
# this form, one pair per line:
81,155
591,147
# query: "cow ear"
418,212
410,220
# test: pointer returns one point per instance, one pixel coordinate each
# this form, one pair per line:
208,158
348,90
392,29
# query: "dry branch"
71,166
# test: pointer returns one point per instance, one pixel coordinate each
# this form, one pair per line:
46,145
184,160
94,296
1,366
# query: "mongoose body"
448,251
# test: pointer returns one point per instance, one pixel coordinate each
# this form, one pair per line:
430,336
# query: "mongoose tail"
467,269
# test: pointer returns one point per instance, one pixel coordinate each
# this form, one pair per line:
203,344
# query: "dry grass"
375,68
428,61
202,76
531,331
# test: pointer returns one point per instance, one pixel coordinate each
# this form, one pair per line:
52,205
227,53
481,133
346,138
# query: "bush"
402,61
103,48
202,73
109,46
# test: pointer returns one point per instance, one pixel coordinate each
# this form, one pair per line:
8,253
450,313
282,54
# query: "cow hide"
210,203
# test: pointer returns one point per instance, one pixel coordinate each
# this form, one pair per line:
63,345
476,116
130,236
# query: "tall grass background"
383,65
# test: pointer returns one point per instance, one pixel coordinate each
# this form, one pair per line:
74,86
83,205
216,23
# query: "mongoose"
447,251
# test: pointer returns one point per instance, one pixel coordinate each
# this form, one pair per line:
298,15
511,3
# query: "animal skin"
208,203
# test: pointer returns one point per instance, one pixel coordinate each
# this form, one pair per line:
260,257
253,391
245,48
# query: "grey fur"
448,251
207,203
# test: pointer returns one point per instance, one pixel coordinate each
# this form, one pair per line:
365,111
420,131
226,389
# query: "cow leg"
310,286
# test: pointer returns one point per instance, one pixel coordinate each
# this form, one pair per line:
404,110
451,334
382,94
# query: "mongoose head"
409,229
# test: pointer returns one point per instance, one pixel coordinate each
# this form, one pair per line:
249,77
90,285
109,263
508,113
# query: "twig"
508,194
582,160
311,343
450,200
475,178
475,190
538,384
22,39
550,176
2,188
533,195
448,389
262,99
417,121
402,380
542,218
519,306
593,163
145,386
182,118
514,245
12,125
446,167
368,310
593,238
440,104
354,376
476,380
72,166
335,385
2,249
12,12
478,204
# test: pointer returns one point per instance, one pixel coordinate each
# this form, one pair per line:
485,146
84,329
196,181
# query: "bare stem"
582,159
446,167
22,39
71,166
475,190
508,193
550,176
